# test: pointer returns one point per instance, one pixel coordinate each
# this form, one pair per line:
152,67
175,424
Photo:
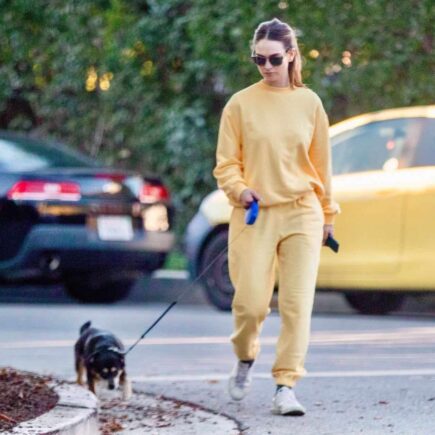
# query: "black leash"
250,218
182,294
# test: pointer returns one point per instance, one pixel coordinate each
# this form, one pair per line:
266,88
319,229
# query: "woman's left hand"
327,229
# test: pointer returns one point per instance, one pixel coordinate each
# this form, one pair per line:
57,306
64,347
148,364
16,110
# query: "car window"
424,153
381,145
28,155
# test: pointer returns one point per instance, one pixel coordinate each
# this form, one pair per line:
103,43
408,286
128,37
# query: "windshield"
22,154
384,145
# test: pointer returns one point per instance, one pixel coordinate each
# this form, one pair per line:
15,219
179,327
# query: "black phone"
332,243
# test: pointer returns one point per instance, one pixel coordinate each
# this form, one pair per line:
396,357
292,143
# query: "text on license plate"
115,228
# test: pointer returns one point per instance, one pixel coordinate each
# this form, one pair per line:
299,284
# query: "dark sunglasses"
275,60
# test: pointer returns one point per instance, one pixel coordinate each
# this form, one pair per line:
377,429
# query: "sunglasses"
275,60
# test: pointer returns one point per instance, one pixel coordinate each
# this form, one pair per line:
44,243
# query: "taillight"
44,190
151,193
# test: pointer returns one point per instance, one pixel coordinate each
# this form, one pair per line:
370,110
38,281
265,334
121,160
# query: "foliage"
141,83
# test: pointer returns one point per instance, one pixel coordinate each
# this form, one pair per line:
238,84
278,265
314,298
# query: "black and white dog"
101,355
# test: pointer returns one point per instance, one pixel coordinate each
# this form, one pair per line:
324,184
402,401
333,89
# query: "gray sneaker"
240,380
285,403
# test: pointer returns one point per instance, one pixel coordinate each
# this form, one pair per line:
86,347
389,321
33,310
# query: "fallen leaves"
23,396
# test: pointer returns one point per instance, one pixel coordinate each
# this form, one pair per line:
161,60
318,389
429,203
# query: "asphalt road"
367,374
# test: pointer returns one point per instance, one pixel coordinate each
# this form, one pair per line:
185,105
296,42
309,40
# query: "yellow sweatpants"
288,236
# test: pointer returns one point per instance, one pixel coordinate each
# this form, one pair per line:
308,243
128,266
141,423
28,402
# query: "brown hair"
276,30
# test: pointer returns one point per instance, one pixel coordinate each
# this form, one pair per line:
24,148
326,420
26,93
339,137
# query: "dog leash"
250,218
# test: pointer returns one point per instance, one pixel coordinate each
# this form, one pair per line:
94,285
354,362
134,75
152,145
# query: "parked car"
66,218
384,180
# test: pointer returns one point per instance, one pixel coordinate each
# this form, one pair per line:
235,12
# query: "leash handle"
252,213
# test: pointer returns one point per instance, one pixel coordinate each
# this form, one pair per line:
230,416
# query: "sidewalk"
158,415
78,412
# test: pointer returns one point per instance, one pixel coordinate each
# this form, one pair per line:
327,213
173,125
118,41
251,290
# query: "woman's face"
274,75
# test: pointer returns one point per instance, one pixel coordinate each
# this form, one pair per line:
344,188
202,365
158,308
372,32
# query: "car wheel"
216,281
92,288
374,302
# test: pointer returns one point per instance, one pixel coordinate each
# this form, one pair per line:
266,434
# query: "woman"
273,147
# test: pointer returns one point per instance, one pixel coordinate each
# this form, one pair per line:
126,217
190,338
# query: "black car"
65,218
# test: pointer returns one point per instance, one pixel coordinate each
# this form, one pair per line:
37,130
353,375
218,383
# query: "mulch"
23,396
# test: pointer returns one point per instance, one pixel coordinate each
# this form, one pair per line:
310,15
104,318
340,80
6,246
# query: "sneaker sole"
290,413
237,397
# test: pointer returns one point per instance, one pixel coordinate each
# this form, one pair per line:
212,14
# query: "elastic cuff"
289,379
329,219
237,191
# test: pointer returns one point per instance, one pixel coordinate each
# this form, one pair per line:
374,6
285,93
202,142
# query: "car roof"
382,115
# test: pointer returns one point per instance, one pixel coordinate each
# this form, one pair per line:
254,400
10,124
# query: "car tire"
92,288
216,281
374,302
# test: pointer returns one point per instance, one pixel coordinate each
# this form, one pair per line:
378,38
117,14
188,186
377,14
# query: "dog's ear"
85,326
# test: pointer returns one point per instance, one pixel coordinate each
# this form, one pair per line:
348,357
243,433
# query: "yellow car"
384,181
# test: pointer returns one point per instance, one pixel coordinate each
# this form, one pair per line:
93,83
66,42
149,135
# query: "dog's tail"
85,326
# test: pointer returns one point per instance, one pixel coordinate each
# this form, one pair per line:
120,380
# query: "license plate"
115,228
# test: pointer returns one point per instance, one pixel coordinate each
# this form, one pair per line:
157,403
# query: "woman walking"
273,147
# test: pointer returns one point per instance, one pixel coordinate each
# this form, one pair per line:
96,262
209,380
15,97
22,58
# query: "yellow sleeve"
320,156
229,156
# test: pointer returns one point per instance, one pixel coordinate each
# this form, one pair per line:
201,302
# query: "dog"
101,355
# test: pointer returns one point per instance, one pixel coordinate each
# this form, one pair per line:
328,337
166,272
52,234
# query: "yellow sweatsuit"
275,141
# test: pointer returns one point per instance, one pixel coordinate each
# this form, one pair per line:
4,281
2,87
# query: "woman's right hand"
248,196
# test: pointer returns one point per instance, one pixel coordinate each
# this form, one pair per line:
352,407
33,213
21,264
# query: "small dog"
101,354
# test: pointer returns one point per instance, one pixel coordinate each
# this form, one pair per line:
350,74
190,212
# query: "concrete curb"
77,413
74,414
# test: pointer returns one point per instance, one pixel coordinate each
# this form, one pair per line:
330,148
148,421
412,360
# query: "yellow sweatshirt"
276,142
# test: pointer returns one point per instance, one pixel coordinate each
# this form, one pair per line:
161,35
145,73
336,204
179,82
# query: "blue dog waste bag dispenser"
252,213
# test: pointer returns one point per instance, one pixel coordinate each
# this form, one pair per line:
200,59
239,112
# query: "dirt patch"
116,415
23,396
145,413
